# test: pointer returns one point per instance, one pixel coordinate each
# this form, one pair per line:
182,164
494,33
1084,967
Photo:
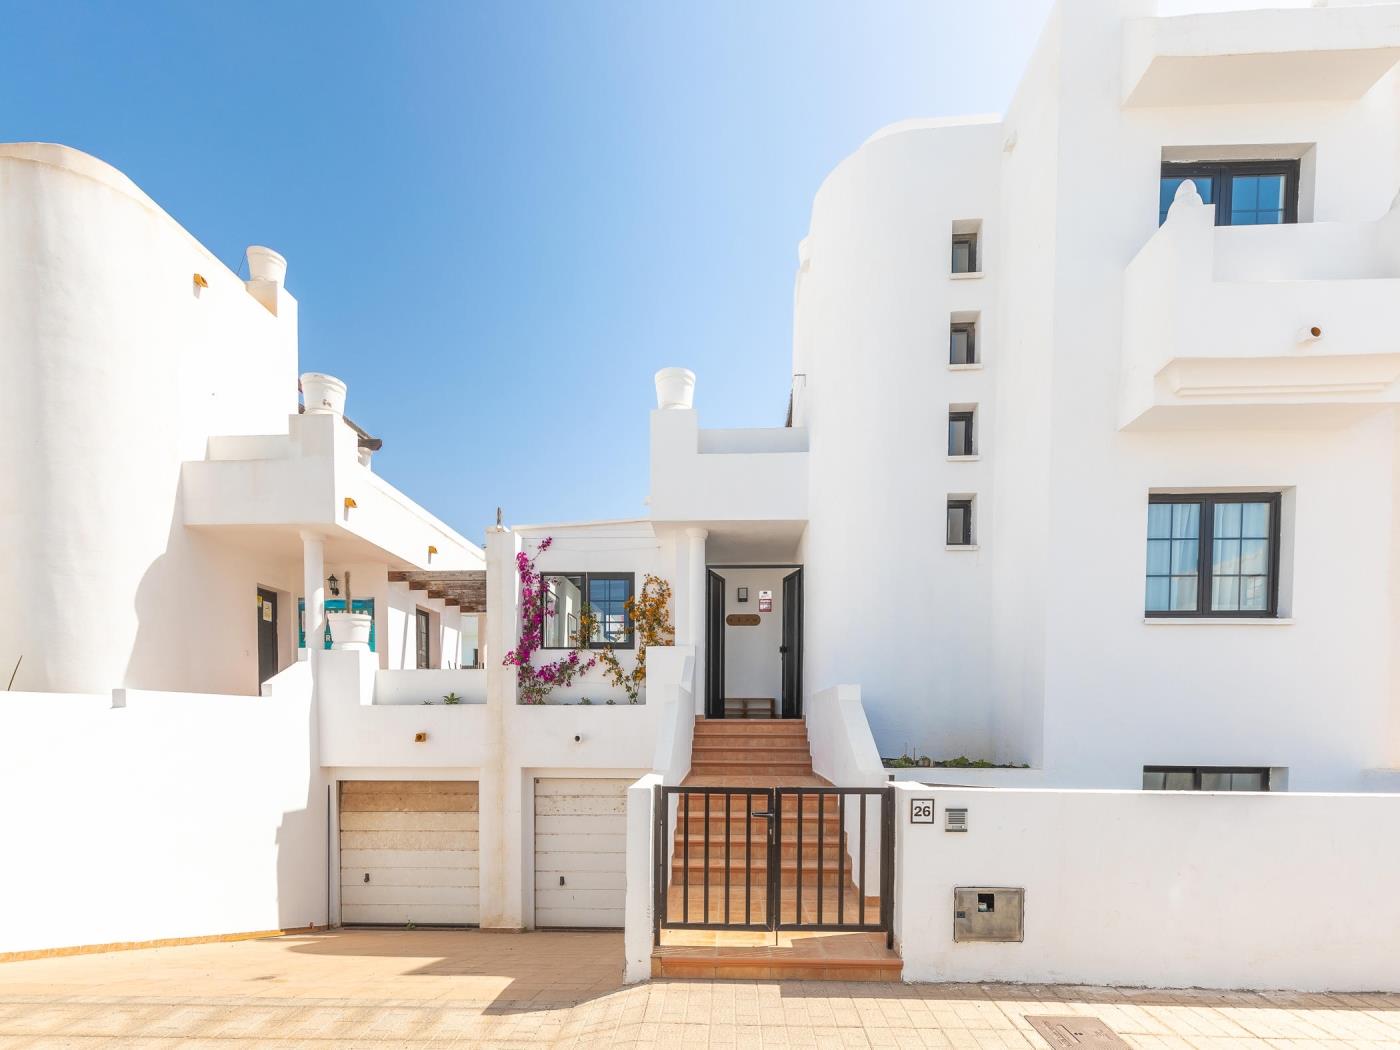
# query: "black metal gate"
738,858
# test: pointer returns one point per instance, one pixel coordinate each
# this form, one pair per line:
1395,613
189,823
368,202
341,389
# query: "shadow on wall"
196,621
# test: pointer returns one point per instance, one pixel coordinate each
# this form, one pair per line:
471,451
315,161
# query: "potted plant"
349,629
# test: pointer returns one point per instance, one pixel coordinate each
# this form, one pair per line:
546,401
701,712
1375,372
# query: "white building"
1088,473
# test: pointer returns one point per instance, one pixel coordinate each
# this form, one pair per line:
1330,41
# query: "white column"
499,820
313,565
696,586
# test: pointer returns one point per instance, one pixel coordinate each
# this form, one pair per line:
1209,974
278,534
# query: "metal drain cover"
1077,1033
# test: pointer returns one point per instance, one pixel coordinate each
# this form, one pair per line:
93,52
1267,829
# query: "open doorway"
753,641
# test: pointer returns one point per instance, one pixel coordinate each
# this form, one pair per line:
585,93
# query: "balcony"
1260,326
1317,54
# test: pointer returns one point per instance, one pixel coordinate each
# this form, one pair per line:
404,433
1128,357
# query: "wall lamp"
350,503
334,585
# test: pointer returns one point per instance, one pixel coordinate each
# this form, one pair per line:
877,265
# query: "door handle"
762,815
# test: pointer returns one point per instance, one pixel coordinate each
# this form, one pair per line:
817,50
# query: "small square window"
962,343
965,253
960,434
959,523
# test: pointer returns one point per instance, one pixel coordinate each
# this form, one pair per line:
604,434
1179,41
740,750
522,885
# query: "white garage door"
408,852
580,852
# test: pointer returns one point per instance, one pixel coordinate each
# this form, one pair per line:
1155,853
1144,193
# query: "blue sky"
501,219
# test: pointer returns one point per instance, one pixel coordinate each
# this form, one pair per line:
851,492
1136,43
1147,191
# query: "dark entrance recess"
267,635
790,651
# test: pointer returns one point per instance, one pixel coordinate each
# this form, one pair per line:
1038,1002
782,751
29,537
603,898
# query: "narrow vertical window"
965,253
959,523
960,434
962,343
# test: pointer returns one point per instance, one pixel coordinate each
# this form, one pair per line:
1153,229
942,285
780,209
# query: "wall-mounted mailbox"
989,913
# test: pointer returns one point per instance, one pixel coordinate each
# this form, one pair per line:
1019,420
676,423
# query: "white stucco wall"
753,667
100,323
1163,889
143,822
1033,648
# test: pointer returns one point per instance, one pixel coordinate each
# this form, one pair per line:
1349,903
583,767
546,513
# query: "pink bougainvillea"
536,681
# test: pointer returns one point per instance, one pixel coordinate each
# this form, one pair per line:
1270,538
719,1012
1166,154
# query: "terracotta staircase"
761,754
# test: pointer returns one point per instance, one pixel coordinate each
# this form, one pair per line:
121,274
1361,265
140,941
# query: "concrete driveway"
422,988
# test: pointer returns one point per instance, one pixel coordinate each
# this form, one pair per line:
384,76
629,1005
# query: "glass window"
1205,186
1173,558
1204,778
962,343
1212,555
606,594
960,434
1256,200
1245,193
965,253
563,603
608,597
959,522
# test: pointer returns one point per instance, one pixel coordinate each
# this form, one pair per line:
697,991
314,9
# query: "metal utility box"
989,913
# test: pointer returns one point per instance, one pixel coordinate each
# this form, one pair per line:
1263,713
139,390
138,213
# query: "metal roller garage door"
580,852
408,852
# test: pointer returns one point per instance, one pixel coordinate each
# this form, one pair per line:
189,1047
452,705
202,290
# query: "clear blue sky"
501,219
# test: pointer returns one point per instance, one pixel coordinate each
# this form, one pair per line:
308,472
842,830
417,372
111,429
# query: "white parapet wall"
141,816
1166,889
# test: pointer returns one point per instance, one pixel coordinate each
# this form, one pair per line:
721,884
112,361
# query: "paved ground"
544,990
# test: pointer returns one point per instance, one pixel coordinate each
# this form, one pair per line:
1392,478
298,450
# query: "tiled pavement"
365,989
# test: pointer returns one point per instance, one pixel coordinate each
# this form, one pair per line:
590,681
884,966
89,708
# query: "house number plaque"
742,620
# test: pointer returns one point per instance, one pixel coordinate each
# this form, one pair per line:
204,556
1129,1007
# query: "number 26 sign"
921,811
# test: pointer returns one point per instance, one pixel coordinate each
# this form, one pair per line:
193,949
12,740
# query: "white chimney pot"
675,388
323,394
266,265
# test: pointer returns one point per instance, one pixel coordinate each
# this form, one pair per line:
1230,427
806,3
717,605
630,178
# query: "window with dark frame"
605,593
959,523
424,646
960,434
1212,554
1245,193
962,343
965,253
1206,778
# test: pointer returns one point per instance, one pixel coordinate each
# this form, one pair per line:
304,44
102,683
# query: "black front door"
792,645
267,635
714,645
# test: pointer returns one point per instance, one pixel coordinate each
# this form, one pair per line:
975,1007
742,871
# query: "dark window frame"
969,446
970,328
1222,171
422,638
1265,774
1206,548
974,264
585,578
966,506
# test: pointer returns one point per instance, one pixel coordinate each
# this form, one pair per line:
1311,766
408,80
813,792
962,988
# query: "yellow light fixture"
432,549
199,281
350,503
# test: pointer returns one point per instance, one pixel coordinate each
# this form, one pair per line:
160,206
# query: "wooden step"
738,769
750,726
841,957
